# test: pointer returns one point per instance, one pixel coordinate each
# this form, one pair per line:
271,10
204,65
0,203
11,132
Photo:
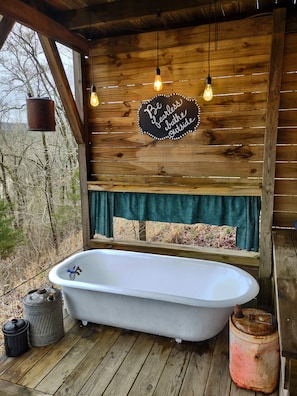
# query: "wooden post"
82,151
6,26
273,100
57,69
85,214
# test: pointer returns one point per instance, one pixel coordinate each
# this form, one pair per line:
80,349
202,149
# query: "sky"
17,97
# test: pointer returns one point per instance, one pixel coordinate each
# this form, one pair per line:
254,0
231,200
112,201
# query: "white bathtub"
182,298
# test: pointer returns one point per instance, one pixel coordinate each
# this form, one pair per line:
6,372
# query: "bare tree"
38,170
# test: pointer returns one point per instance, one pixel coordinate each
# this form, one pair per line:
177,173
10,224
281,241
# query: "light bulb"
158,81
94,100
208,94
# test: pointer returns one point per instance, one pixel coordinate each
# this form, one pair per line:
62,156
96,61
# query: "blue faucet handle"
75,270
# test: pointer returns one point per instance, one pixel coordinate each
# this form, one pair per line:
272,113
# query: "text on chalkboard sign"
168,116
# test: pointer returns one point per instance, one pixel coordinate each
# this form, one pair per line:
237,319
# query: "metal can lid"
14,326
40,296
255,322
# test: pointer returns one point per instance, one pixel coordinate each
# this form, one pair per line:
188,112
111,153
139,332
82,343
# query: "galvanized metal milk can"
254,350
16,337
43,310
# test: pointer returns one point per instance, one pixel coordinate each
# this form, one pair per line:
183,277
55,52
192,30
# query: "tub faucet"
75,270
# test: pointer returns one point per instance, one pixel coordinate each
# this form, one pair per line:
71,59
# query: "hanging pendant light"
94,100
158,85
208,92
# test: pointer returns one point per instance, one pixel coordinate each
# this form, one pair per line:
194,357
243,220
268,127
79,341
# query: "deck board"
131,366
51,383
198,369
39,371
9,389
148,378
174,370
90,366
219,368
100,360
109,366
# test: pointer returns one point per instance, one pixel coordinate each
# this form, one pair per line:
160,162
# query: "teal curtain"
240,212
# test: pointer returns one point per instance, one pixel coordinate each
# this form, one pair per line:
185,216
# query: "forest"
39,180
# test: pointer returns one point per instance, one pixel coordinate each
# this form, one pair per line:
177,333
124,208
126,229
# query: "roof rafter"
125,10
6,25
41,23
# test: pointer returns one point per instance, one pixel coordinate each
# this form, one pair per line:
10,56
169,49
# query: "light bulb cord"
209,33
91,57
157,49
208,57
92,69
159,19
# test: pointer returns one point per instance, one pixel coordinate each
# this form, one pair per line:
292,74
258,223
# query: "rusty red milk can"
254,350
41,114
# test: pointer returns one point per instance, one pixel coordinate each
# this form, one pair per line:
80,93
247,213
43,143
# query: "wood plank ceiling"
75,22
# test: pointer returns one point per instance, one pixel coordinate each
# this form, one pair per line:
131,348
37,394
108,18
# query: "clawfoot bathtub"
182,298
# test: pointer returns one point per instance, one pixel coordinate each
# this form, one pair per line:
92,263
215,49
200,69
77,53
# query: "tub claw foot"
84,322
178,340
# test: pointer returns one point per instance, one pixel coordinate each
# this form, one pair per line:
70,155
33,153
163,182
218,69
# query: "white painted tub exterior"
182,298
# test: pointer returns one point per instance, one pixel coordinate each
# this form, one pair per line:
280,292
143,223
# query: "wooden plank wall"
225,155
285,208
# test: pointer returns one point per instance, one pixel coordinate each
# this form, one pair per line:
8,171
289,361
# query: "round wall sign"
168,116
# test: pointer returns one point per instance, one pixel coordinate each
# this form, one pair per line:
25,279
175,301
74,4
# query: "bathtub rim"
250,294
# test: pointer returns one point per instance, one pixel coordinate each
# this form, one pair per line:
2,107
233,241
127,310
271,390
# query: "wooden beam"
273,100
82,152
41,23
6,25
240,258
59,75
125,10
175,185
84,193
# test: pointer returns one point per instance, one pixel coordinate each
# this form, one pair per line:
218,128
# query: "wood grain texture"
285,255
36,20
273,100
285,274
225,153
104,360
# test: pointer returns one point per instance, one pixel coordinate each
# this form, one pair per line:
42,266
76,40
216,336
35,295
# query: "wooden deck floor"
99,360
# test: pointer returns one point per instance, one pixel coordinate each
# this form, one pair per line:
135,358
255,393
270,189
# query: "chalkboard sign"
168,116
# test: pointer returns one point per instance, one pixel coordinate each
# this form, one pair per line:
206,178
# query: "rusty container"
254,360
41,114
